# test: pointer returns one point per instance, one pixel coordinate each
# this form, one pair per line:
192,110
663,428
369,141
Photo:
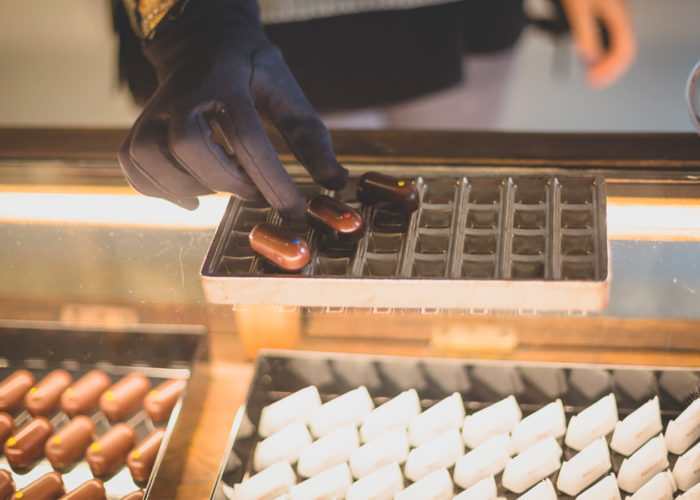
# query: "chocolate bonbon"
7,485
13,389
94,489
141,459
69,444
388,193
280,246
7,426
83,395
26,445
44,396
161,400
124,397
49,486
336,219
108,452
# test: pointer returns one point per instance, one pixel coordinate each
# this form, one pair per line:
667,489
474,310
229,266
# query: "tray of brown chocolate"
81,412
437,238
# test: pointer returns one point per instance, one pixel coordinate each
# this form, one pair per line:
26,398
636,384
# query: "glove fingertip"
337,179
187,203
294,211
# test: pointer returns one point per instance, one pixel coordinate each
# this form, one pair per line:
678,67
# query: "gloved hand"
201,131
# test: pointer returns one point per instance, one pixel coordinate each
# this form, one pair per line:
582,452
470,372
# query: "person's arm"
202,130
604,64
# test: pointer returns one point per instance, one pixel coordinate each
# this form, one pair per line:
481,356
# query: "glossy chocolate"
83,395
44,396
13,389
134,495
25,446
336,219
280,246
7,427
7,485
124,397
108,452
47,487
94,489
161,400
69,444
388,193
141,459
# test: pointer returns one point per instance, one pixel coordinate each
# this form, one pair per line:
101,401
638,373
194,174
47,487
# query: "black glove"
201,131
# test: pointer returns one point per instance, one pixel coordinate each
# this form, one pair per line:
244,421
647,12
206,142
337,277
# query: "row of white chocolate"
277,482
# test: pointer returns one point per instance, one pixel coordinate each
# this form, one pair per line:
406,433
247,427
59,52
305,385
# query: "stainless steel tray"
480,382
159,352
477,241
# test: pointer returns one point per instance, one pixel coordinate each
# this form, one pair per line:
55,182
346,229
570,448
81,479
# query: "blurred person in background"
209,73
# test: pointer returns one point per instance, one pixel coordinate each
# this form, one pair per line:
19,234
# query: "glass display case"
555,256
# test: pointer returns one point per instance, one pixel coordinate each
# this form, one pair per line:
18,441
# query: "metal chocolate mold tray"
479,382
159,352
483,241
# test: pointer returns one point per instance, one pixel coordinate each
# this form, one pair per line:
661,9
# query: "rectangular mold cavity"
384,242
332,266
237,265
429,265
527,269
249,217
529,219
528,244
480,244
478,269
388,222
576,219
439,192
577,244
583,269
435,218
530,191
577,192
433,241
381,264
238,245
482,218
485,190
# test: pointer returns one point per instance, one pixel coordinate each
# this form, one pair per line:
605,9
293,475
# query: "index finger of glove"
241,125
279,98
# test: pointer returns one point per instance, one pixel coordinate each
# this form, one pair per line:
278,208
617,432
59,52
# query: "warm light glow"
653,222
108,209
625,220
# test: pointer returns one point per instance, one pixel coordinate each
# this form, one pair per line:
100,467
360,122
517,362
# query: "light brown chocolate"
141,459
280,246
69,444
161,400
107,453
44,396
26,445
47,487
388,193
7,426
134,495
124,397
83,395
7,485
94,489
335,218
13,389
